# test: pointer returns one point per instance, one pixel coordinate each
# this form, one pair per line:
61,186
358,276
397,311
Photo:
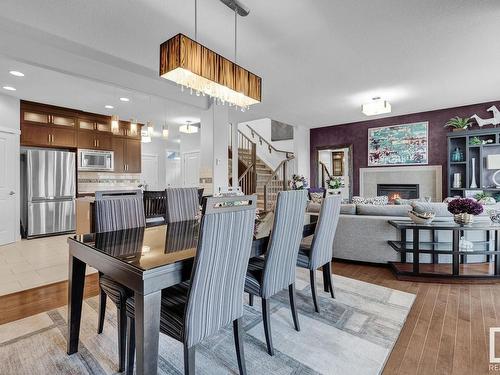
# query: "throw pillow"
316,197
380,200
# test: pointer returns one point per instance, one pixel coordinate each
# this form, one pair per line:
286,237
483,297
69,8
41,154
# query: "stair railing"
279,181
325,174
247,155
270,147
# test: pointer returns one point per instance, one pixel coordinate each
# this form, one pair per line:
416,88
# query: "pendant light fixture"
145,137
150,127
188,128
164,131
133,127
115,124
204,72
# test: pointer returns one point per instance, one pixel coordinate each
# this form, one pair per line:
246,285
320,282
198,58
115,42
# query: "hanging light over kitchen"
150,127
145,137
133,127
204,72
164,131
115,124
188,128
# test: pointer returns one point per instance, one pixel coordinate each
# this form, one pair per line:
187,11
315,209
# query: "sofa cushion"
348,209
378,210
380,200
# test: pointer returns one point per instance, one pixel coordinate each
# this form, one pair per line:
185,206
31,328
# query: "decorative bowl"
494,216
463,219
421,218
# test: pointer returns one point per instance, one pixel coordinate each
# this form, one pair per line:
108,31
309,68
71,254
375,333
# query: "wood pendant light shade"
189,63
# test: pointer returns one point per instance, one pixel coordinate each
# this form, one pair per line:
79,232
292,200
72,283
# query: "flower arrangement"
298,182
464,210
335,183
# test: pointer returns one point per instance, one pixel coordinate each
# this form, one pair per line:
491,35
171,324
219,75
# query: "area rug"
354,334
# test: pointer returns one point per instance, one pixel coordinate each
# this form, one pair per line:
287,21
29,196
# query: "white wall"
10,122
301,149
214,148
159,147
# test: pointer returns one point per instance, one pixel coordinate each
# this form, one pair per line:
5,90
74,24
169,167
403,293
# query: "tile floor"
28,264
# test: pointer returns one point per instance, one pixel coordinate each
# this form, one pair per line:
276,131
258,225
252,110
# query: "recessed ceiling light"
9,88
123,99
376,107
16,73
107,106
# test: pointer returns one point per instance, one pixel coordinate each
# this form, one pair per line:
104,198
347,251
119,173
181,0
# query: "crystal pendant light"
164,131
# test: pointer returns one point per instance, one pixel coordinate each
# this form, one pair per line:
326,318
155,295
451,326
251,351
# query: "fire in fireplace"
398,191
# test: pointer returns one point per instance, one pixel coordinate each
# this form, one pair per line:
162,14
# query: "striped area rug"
354,334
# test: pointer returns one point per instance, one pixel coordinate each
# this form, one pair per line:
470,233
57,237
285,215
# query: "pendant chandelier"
188,128
204,72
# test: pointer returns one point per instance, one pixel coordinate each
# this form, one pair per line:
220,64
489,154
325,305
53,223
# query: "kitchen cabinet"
92,125
42,118
37,135
94,141
129,131
127,155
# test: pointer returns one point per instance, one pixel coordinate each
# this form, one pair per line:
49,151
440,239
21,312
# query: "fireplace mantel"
429,178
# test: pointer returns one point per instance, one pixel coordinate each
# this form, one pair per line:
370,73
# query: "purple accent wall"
356,133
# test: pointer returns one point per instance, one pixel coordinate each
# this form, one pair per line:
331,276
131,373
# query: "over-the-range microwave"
95,160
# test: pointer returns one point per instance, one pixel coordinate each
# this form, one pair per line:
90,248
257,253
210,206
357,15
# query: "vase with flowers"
334,184
464,210
298,182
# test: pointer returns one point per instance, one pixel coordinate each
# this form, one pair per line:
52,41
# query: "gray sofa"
363,232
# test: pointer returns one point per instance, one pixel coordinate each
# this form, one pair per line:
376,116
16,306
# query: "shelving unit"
461,140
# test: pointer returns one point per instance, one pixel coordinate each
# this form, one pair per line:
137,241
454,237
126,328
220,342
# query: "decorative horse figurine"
495,120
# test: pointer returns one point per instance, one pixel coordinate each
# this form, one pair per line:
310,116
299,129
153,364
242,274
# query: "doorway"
190,162
335,164
9,179
149,174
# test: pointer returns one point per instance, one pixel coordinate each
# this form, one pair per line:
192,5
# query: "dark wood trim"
29,302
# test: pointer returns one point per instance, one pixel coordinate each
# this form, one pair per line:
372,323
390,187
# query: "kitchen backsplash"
90,182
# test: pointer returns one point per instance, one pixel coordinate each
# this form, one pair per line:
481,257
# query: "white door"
173,177
9,179
191,169
149,171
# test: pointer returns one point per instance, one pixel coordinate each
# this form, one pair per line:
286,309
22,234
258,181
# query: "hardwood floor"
447,330
44,298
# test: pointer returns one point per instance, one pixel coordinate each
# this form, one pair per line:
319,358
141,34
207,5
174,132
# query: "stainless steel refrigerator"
48,184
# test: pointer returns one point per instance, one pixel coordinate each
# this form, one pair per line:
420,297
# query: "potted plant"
335,184
464,210
458,123
298,182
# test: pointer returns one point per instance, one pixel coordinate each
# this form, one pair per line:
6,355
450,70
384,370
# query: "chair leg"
295,316
102,310
121,321
189,355
327,272
238,342
313,290
325,279
266,316
250,299
130,345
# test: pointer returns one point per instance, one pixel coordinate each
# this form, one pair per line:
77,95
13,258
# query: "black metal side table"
490,248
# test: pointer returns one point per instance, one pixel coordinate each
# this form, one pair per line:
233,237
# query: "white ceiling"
319,60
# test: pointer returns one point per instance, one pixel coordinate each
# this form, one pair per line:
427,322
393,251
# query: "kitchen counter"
84,214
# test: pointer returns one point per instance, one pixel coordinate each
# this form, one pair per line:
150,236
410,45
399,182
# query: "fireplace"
401,191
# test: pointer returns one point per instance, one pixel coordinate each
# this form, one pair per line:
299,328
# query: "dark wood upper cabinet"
127,155
49,126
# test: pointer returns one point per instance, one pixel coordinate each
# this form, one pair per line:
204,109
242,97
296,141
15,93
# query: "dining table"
145,260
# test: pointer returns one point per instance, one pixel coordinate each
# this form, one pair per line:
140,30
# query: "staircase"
255,176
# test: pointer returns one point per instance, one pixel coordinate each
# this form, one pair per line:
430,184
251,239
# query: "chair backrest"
115,210
324,234
155,204
284,243
182,204
218,277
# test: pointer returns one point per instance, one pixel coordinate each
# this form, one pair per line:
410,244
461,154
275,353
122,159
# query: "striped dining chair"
318,253
213,298
276,271
182,204
116,210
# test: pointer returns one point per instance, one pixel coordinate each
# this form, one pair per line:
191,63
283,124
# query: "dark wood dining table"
145,260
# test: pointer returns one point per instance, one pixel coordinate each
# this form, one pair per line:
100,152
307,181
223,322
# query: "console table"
458,268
